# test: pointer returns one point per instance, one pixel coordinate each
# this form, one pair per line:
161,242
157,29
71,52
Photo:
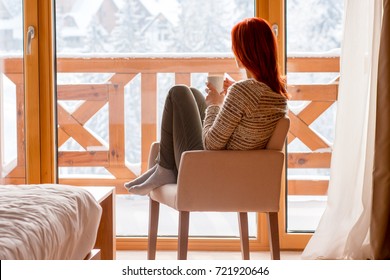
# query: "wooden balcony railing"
321,97
111,156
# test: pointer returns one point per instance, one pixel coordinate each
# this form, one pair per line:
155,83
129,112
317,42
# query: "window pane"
104,104
148,26
12,138
314,30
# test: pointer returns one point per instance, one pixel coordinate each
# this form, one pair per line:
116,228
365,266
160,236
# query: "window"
314,30
134,29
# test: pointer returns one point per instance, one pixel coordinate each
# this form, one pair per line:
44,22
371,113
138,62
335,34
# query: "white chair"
224,181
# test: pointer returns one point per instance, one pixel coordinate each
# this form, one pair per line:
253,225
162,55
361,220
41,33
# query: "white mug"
217,81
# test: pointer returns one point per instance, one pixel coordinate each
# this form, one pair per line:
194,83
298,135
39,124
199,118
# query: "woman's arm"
221,121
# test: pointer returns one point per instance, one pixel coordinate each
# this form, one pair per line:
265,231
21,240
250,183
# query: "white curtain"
343,232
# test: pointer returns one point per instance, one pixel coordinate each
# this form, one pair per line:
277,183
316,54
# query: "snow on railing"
330,53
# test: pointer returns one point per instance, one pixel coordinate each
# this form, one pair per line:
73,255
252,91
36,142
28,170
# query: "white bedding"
47,222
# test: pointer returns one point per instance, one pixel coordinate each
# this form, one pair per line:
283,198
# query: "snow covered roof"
83,11
152,21
169,8
72,32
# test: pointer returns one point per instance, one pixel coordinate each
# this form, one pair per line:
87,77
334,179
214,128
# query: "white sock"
139,180
161,176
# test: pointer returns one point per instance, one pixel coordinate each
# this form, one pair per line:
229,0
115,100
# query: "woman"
241,117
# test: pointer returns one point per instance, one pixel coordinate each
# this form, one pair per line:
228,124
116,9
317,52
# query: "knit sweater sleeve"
220,123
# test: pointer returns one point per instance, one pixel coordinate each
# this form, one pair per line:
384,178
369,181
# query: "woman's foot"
139,180
161,176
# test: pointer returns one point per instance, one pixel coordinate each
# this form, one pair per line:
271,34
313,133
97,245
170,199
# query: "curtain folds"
380,217
344,229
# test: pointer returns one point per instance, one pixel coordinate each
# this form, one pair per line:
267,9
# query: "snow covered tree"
14,7
126,35
96,37
204,26
314,25
244,9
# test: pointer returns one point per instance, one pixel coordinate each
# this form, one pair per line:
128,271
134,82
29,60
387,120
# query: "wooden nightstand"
106,237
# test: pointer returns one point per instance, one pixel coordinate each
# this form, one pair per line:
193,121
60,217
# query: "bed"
47,221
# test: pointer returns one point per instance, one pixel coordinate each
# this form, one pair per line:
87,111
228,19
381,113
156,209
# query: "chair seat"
165,195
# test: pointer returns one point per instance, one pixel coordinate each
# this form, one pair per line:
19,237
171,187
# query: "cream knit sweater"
247,118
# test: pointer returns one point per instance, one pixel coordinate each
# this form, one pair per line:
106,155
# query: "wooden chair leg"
244,236
154,209
184,222
273,235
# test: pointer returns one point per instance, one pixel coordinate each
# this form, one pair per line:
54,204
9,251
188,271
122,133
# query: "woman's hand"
226,84
213,97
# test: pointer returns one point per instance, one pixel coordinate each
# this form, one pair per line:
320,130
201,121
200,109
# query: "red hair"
255,46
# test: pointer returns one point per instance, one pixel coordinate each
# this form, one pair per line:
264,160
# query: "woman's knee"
196,92
179,89
179,93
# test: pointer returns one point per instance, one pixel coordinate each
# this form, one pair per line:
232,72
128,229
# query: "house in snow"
96,22
11,26
92,25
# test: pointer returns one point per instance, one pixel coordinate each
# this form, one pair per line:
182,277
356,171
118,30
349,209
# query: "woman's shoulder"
253,86
247,82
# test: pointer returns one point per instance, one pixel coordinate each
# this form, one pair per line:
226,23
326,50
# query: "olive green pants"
181,125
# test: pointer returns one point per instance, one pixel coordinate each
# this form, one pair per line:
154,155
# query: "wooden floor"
203,255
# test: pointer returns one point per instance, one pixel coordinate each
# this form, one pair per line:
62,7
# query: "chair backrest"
153,153
278,138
